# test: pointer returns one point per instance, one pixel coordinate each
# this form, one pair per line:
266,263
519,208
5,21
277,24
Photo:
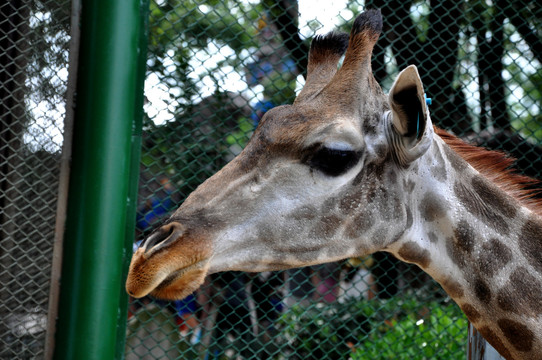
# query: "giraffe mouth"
182,282
166,276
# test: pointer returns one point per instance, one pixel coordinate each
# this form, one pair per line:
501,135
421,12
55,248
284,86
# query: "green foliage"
48,43
180,30
323,330
240,136
441,334
399,328
280,88
174,22
528,123
164,343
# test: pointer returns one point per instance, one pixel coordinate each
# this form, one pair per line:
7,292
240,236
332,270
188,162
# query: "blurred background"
213,69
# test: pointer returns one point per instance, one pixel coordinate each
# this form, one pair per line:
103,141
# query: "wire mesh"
34,38
215,67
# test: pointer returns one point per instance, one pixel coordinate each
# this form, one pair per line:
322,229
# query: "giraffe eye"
334,162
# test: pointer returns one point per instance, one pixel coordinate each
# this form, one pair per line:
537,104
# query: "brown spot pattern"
495,341
369,128
326,227
349,201
494,197
409,219
453,288
464,237
438,170
359,225
409,186
392,178
521,294
328,205
431,207
432,237
412,252
381,150
482,291
507,301
530,242
392,210
494,256
517,334
304,213
372,171
265,233
479,207
455,160
526,284
472,314
454,253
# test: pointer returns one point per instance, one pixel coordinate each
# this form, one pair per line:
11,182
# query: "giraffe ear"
409,115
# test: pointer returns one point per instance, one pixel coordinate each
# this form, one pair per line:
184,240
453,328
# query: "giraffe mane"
496,166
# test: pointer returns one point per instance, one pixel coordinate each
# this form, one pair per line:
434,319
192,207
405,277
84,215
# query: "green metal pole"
108,89
135,162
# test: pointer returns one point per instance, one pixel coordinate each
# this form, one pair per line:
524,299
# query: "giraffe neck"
482,246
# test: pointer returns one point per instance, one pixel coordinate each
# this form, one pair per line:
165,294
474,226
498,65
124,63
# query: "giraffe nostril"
162,236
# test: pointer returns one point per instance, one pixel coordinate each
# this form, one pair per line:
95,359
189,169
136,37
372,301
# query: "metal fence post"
94,245
136,139
479,348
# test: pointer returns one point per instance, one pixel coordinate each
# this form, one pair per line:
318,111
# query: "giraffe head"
319,181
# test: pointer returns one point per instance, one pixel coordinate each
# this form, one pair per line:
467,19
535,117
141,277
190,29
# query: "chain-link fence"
214,68
34,41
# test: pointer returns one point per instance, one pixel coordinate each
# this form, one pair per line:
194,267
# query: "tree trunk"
497,87
438,71
513,11
483,66
399,32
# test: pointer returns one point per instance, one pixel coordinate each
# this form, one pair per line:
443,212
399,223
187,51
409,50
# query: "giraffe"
347,170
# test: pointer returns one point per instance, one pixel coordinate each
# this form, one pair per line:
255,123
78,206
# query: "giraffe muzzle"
163,237
170,264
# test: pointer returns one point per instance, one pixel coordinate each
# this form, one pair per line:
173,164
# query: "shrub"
398,328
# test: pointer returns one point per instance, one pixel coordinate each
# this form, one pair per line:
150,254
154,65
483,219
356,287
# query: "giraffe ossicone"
346,171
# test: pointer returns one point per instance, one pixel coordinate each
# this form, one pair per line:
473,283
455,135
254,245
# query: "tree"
438,43
192,43
434,36
432,45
